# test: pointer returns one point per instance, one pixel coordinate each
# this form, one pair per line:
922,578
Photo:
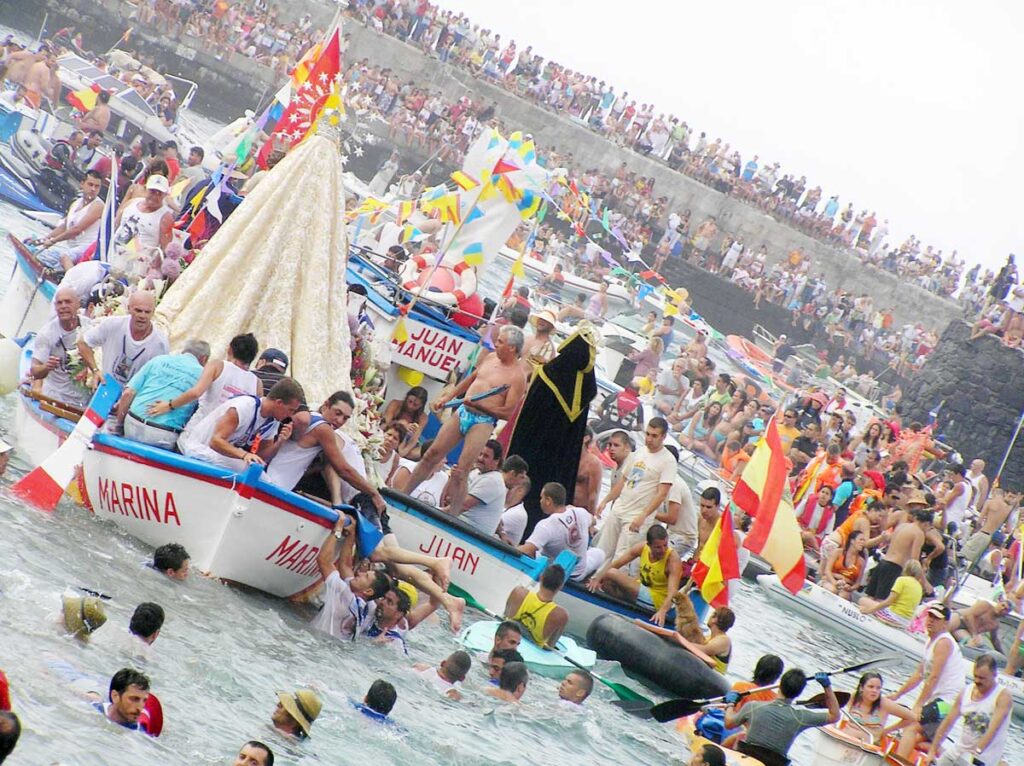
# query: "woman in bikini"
868,710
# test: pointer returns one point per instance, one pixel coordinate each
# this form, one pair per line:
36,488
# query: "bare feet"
456,609
441,572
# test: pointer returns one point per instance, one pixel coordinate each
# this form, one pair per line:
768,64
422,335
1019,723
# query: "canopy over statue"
277,269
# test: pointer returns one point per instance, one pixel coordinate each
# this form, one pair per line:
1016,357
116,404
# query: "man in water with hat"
295,712
83,615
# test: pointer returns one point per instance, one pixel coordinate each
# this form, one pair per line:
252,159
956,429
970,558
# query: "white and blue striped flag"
105,235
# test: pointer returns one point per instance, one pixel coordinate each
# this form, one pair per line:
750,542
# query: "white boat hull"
617,294
236,527
37,434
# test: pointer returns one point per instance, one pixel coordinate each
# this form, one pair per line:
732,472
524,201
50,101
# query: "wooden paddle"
623,692
679,708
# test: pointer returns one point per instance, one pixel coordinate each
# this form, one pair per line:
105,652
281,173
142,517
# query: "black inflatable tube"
665,665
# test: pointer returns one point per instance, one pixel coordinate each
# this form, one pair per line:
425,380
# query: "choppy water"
223,653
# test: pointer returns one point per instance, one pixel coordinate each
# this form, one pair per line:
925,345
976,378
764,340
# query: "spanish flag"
718,563
762,493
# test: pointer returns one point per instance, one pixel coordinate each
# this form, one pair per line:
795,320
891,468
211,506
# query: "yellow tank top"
654,574
533,614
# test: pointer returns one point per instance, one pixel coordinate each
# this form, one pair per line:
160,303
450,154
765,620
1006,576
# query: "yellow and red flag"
718,562
84,100
762,493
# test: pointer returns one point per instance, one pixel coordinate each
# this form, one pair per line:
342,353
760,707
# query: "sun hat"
303,705
83,614
546,314
917,498
939,610
158,183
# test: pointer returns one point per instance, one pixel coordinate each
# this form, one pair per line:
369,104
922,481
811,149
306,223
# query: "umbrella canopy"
276,268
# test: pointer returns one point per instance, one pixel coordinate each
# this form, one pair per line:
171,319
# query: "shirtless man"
588,476
98,117
42,81
968,625
993,516
904,545
474,422
19,63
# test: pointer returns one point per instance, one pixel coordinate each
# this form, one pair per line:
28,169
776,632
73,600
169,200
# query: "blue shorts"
468,419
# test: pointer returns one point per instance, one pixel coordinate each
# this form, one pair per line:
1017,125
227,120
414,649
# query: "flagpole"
120,40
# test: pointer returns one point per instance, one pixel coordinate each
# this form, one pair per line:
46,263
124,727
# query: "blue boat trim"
63,424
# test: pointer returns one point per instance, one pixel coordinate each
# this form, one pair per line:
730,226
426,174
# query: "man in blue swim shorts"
474,421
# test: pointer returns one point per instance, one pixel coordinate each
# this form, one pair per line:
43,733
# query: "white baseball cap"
158,183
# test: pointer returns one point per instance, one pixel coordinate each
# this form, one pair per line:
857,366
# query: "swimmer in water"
254,753
449,675
508,636
497,660
296,712
127,695
379,701
576,687
172,560
512,682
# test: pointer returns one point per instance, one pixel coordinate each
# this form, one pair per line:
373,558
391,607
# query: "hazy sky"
906,108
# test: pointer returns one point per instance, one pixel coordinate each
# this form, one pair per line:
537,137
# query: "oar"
679,708
477,397
45,485
623,692
819,701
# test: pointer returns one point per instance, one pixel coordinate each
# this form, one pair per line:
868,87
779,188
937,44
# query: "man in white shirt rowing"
77,230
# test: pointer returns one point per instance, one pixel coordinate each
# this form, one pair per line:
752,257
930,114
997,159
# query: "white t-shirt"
429,491
53,340
513,522
123,356
568,529
439,683
350,451
489,490
195,442
686,524
344,614
644,472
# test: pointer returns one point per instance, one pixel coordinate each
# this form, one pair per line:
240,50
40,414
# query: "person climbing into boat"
900,605
904,545
394,616
50,366
349,598
76,232
537,611
565,527
843,570
246,429
708,755
473,422
661,573
868,710
160,380
411,411
511,682
640,492
448,676
172,561
942,672
254,753
220,380
772,726
127,342
575,687
980,618
985,709
296,712
126,699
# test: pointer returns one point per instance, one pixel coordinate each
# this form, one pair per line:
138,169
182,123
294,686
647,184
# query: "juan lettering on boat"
144,503
431,350
462,558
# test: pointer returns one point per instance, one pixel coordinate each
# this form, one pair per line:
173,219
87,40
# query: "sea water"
224,652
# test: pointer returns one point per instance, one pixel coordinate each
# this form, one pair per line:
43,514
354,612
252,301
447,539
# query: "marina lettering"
295,556
142,503
433,348
464,559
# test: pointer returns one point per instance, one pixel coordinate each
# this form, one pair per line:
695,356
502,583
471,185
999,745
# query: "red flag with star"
308,99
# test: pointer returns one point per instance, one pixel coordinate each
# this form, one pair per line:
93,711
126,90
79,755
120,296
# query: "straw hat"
547,315
83,614
304,706
917,498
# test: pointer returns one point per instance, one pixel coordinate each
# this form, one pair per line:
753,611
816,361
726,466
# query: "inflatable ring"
453,270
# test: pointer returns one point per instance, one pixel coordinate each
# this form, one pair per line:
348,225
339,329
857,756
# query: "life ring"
451,283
